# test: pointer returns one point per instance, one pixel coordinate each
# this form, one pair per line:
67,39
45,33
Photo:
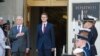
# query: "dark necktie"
18,28
44,28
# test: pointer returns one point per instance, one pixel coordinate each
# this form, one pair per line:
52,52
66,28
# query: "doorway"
56,16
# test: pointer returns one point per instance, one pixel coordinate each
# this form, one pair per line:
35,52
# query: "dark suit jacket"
92,38
19,43
86,50
46,39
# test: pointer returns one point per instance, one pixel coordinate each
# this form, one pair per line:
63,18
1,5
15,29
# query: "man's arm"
28,42
12,36
53,36
94,35
27,34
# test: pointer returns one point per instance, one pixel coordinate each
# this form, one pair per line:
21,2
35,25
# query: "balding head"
19,20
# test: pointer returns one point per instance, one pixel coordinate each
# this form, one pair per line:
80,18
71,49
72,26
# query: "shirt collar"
44,23
20,25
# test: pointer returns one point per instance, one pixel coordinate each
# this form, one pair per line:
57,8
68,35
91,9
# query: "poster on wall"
81,10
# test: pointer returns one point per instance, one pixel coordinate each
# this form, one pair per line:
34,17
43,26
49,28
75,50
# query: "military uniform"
82,41
86,48
92,36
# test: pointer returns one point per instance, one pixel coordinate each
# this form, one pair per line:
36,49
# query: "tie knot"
44,25
18,27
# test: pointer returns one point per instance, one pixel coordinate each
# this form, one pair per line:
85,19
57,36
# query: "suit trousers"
44,51
18,53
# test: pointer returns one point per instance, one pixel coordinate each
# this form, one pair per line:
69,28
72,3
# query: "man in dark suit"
90,23
19,37
45,37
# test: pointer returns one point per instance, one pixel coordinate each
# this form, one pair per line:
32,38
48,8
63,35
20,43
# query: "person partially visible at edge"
2,43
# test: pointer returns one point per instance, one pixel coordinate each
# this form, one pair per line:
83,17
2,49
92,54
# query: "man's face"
88,25
84,33
19,21
80,43
44,18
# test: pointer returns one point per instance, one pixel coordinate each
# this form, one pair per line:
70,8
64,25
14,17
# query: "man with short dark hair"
45,37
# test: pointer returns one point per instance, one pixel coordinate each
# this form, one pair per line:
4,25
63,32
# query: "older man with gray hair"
19,36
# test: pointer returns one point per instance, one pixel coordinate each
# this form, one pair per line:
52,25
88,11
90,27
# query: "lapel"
22,28
41,28
46,29
16,30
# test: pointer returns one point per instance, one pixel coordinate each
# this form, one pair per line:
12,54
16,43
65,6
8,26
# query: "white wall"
70,25
11,8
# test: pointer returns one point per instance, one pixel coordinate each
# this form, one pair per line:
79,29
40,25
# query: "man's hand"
53,49
27,50
20,34
7,47
36,50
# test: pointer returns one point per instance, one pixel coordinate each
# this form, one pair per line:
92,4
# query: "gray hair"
19,17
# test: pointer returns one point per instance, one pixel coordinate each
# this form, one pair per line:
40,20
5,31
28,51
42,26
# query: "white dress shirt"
44,25
20,29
